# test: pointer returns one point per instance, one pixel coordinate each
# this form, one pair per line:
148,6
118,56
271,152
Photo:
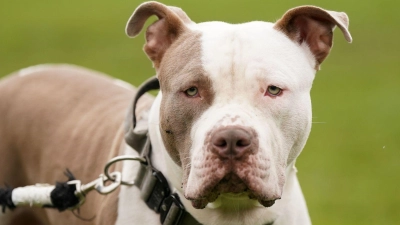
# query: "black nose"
232,142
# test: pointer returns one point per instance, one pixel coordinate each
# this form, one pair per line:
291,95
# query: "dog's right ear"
171,23
314,26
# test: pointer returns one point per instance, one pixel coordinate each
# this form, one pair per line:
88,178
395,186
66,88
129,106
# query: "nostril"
220,142
243,143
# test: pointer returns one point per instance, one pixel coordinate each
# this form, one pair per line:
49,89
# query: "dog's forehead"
245,55
254,45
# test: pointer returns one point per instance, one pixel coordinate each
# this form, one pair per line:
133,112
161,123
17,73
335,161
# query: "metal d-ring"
122,158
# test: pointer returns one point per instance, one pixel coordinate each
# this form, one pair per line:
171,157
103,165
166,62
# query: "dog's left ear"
171,23
314,26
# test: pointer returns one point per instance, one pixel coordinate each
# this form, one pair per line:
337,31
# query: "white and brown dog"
232,116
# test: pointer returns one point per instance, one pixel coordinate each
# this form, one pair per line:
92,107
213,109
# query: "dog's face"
235,107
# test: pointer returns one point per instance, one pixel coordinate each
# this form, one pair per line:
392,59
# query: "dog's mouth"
231,186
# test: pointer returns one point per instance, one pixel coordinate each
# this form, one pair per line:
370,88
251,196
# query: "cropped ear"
171,23
314,26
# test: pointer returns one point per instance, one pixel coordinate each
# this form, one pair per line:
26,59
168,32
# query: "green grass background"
349,169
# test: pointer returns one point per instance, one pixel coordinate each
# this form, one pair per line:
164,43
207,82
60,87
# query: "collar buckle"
156,194
172,211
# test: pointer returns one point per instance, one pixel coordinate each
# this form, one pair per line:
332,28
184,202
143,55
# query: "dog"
232,115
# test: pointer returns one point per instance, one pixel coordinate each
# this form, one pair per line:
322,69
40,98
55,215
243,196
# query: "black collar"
155,191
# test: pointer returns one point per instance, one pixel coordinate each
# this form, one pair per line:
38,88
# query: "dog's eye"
274,90
191,92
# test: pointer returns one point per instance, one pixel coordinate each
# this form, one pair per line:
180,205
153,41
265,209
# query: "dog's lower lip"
238,196
245,196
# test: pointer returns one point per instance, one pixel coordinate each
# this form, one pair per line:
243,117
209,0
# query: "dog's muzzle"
230,166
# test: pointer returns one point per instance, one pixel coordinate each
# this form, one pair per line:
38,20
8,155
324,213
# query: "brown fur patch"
180,70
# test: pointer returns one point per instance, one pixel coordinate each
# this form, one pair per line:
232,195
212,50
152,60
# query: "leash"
71,195
64,196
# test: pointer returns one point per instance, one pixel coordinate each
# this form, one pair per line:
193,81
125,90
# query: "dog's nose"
232,142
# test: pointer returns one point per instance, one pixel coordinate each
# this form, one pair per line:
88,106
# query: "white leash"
33,195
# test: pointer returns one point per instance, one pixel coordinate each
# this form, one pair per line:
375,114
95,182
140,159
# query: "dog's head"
235,108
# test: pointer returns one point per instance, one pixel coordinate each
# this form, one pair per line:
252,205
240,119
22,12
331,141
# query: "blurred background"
350,167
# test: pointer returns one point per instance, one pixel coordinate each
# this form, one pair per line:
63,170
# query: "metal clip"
99,185
106,189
